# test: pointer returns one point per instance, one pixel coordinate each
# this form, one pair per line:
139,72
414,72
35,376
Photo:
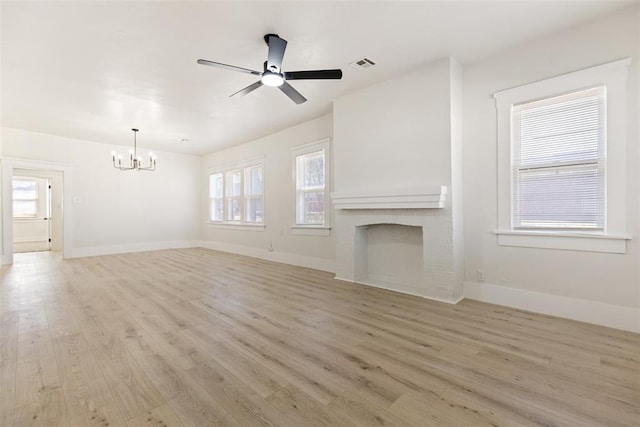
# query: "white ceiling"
94,70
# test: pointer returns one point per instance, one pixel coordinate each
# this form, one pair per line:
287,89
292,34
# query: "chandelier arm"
135,142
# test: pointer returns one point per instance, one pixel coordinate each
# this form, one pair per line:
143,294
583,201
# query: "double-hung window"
311,181
236,194
25,198
559,169
310,188
562,161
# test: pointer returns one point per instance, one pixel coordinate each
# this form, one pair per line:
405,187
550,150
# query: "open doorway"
57,212
37,211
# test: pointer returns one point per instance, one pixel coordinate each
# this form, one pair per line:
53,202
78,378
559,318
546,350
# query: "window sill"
615,244
236,226
310,230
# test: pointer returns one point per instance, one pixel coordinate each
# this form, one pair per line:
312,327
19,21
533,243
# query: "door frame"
8,167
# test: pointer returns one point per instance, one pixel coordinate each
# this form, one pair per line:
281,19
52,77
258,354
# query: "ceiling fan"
273,74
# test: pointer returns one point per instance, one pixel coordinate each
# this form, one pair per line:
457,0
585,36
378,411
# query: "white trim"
132,247
614,76
565,241
533,90
310,147
282,257
234,226
377,285
426,198
8,166
599,313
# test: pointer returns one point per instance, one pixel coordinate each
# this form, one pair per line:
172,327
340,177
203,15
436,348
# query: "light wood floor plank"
34,378
47,411
194,337
133,390
162,416
9,334
8,389
84,387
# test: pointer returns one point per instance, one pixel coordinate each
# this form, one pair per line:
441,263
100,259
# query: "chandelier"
135,161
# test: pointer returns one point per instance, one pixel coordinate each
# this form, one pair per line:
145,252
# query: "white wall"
395,134
310,251
119,211
591,281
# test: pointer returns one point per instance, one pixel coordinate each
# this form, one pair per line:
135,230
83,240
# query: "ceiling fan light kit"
273,76
271,79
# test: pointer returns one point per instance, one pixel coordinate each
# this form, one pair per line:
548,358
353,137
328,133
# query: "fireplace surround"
407,235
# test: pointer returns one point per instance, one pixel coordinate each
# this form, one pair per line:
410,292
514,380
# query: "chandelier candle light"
135,161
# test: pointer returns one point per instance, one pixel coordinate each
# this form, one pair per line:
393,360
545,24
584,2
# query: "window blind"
559,161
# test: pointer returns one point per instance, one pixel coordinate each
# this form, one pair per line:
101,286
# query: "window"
25,198
253,194
236,195
216,195
561,161
311,185
233,181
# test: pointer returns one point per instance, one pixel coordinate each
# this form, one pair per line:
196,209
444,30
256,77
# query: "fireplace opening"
389,256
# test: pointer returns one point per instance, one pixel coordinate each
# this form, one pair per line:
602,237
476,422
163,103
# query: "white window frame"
614,236
226,170
302,150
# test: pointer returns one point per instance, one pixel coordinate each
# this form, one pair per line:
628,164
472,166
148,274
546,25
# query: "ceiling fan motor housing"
266,37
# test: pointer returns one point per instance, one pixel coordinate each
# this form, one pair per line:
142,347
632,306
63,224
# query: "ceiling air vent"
362,63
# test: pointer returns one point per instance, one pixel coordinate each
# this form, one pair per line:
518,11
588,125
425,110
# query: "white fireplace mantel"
423,198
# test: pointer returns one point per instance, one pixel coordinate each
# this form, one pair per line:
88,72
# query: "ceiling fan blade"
247,89
228,67
292,93
313,75
277,47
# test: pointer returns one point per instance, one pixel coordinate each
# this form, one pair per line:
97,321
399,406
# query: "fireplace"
389,256
401,241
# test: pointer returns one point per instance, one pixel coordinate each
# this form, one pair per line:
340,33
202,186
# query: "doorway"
54,213
37,211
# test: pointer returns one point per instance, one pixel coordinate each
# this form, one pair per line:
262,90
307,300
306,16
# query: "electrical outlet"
480,275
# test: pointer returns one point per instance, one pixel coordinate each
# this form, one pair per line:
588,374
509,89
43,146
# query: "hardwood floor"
21,247
196,337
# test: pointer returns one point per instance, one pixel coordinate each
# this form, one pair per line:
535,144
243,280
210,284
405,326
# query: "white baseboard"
285,258
132,247
613,316
406,292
